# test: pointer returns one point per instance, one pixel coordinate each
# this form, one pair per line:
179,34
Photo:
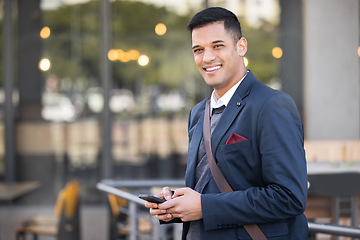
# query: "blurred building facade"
92,91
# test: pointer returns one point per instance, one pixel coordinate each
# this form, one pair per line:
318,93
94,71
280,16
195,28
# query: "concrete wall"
331,69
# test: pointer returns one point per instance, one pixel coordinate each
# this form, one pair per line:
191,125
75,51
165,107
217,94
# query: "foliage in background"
74,43
74,47
260,44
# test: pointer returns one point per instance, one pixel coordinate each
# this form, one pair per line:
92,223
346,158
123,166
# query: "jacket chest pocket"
235,146
236,156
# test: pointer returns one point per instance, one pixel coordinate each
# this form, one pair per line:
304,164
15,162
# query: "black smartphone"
151,198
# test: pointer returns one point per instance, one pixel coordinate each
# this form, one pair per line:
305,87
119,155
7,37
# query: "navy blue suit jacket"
267,172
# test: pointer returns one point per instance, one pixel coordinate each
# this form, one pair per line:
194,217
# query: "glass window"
154,82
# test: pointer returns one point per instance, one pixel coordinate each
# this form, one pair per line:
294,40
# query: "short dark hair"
216,14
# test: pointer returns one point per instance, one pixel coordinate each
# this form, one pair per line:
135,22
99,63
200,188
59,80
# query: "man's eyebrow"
217,41
196,46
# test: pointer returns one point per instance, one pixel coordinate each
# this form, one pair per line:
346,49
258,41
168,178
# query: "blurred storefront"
102,89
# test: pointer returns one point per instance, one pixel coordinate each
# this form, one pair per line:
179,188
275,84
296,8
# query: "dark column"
29,54
8,62
35,160
106,158
291,34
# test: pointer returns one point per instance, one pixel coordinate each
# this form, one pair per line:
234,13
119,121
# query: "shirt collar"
225,99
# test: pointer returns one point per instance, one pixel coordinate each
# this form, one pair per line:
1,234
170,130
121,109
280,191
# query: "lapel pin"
238,104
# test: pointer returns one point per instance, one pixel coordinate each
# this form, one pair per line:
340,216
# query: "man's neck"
221,92
225,98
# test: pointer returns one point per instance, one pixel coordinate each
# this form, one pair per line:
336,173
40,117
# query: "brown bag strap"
215,171
253,229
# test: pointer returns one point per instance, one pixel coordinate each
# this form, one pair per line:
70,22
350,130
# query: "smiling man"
219,56
256,144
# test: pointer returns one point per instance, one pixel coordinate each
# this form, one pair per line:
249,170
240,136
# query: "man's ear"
241,46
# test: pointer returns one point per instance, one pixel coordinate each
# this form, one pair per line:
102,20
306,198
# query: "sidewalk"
93,220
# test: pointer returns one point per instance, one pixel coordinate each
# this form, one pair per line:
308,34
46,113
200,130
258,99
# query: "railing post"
133,220
155,228
356,210
353,213
177,231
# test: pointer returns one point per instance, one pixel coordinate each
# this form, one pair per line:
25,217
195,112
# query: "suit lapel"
193,152
229,115
232,110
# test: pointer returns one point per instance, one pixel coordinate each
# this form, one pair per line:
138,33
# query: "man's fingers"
151,205
165,217
166,192
180,191
156,211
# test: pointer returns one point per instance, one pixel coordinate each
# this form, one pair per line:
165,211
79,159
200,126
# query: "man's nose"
208,56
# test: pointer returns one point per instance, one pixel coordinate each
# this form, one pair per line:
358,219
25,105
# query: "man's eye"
197,50
218,45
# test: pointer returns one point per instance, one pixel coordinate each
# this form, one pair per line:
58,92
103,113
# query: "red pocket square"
235,138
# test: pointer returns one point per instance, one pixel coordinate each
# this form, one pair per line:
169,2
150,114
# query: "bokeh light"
160,29
143,60
112,55
44,64
133,54
277,52
123,56
45,32
246,61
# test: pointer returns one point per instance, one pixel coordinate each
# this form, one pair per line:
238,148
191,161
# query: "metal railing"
112,186
132,211
335,230
158,232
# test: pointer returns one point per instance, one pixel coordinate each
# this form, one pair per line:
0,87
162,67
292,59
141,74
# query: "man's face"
218,58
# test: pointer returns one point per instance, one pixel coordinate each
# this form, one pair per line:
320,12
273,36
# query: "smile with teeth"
212,68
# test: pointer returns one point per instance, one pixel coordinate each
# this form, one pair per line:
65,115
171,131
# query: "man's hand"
185,204
160,214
